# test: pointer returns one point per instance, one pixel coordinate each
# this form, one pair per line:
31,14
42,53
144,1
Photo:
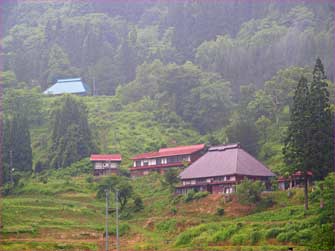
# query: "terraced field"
72,218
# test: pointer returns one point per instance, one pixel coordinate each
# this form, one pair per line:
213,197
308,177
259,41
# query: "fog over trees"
227,70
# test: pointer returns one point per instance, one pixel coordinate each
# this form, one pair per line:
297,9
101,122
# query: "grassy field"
64,214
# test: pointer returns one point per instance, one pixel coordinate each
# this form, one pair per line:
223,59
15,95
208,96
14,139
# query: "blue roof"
70,85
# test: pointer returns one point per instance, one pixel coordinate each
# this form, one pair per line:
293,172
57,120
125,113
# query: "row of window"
160,161
209,180
100,165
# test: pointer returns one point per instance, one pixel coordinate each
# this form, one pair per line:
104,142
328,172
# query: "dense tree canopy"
43,41
70,134
308,144
190,72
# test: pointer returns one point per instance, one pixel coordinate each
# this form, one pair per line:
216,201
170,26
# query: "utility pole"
11,151
107,206
94,88
117,220
11,165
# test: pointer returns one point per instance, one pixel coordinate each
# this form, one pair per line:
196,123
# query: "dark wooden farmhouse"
220,169
294,180
105,164
165,158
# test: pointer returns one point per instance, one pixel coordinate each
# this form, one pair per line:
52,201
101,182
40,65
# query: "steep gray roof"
225,160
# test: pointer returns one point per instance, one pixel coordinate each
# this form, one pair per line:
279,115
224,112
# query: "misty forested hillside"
164,74
105,43
225,70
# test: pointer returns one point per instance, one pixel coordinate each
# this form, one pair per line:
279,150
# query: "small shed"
295,180
105,164
70,86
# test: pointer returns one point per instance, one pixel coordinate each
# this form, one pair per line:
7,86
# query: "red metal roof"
106,157
299,173
172,151
225,160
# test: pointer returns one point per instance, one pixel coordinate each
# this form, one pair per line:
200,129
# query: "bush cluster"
167,226
192,195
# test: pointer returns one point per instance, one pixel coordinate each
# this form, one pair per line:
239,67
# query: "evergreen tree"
321,154
295,149
308,146
17,152
59,65
71,136
244,131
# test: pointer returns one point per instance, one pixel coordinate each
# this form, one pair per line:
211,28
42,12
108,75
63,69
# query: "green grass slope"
64,214
117,128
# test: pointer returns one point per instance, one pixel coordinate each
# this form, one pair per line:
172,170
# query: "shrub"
220,211
124,172
176,199
189,196
111,183
202,239
303,236
255,237
44,179
324,190
89,179
184,239
138,204
123,229
200,195
264,204
225,234
170,178
174,210
192,195
282,237
7,189
272,233
166,226
239,239
286,236
249,191
77,168
322,238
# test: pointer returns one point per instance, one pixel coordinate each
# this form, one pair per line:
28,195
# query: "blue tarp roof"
70,85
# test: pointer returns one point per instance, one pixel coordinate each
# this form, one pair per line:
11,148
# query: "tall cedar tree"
16,145
321,155
308,146
295,149
71,136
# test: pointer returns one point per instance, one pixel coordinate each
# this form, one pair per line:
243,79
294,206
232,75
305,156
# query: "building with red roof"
294,180
104,164
220,169
165,158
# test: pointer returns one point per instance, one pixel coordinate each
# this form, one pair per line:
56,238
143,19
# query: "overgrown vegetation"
249,191
63,205
173,74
